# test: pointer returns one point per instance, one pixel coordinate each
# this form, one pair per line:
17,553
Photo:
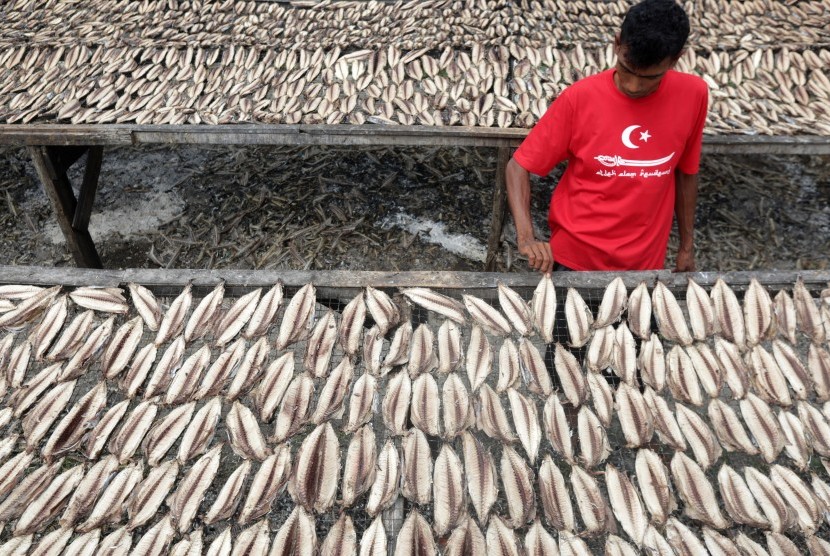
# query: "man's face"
638,82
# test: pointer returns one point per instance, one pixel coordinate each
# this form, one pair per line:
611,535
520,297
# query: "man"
632,138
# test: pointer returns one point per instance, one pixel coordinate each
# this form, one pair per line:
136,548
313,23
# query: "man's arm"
518,197
685,201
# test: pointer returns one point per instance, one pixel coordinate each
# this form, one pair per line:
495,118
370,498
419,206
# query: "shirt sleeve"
547,143
690,161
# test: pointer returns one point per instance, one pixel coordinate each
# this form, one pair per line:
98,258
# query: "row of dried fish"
413,24
761,90
100,495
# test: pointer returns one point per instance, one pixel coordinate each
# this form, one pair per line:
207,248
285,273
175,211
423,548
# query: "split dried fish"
479,360
146,305
166,432
173,321
593,440
758,314
437,303
578,318
448,491
728,428
665,423
425,408
294,409
639,311
517,310
265,312
534,370
150,494
422,358
373,542
467,538
268,482
110,506
738,500
275,381
592,505
730,318
509,365
776,510
700,438
501,540
298,317
481,476
764,427
246,438
384,489
236,317
614,302
226,502
701,312
321,345
808,316
556,501
526,423
457,408
382,309
69,432
601,350
417,468
415,537
351,325
359,468
341,540
449,347
669,316
799,496
653,480
602,398
188,497
491,417
682,377
543,307
652,363
487,316
204,315
696,492
517,479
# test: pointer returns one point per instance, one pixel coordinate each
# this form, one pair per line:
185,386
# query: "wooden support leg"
499,207
51,164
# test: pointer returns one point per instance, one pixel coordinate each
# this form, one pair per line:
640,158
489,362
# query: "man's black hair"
652,31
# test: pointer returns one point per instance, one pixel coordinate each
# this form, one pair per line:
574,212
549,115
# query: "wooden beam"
86,197
816,280
499,206
60,194
368,134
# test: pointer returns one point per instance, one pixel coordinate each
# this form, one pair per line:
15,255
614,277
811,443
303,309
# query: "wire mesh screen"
20,379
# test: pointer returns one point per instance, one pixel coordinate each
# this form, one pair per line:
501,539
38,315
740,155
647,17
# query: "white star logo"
644,136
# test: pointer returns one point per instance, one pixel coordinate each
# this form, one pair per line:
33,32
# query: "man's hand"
685,260
538,255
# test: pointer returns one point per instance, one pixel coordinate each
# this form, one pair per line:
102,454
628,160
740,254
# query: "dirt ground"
377,209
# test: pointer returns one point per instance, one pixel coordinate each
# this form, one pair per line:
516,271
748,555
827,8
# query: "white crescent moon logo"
626,137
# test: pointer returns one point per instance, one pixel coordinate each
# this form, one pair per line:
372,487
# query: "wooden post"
499,207
51,164
86,197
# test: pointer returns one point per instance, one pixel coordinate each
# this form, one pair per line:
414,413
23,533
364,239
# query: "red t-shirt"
613,207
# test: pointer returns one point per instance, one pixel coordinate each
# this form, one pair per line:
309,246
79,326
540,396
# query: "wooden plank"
345,280
499,208
60,194
86,197
369,134
65,135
